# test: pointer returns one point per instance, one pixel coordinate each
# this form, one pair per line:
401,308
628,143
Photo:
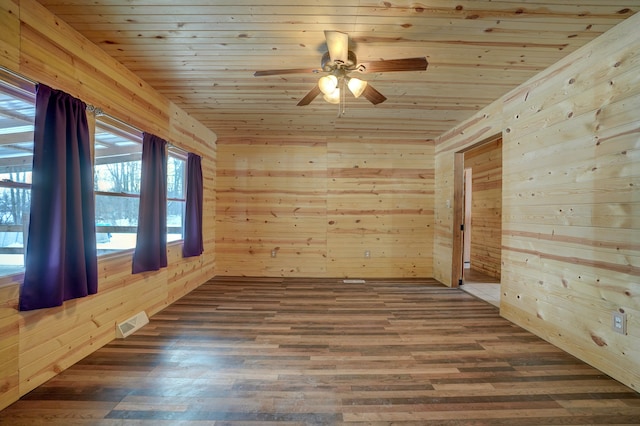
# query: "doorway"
478,204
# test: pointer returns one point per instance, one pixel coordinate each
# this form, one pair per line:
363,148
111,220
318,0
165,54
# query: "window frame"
181,155
115,127
119,128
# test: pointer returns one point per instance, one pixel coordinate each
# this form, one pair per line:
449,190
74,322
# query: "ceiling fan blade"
310,96
338,44
285,71
373,95
408,64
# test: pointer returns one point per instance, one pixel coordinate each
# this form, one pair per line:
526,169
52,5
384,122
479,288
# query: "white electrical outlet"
619,322
367,254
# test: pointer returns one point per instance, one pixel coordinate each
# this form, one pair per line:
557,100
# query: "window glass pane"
176,168
15,204
17,114
116,223
118,159
175,220
175,177
118,177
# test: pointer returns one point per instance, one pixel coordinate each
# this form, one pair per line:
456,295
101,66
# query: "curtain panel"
61,258
151,246
193,245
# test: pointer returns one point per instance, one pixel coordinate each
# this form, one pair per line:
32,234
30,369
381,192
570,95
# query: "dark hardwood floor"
242,351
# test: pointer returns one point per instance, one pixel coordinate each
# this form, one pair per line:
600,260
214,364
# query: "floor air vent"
131,325
354,281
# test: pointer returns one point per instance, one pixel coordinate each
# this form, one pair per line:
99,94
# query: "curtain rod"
19,76
97,111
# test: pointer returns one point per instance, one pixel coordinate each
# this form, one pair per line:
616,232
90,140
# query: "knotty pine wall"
485,163
319,202
571,205
570,215
34,346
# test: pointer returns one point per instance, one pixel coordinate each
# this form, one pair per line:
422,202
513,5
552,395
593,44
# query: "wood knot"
598,340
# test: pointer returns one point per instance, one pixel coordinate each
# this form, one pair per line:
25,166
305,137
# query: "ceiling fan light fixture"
333,97
328,84
356,86
338,62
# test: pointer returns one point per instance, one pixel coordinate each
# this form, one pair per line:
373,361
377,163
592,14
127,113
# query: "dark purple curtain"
151,245
193,245
61,259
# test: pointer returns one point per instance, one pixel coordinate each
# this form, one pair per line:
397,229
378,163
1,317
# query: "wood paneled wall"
571,210
570,204
271,197
380,200
321,202
485,163
36,345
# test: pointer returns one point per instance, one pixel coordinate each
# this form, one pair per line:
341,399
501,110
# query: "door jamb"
458,210
458,218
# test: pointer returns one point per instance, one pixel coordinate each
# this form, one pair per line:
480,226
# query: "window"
176,197
17,115
117,171
118,167
118,155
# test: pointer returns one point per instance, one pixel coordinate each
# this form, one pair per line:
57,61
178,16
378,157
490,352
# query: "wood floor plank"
293,351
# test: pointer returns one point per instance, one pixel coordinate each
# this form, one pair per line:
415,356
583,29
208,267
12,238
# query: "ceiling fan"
338,63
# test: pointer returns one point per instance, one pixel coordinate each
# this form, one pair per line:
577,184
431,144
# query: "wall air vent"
131,325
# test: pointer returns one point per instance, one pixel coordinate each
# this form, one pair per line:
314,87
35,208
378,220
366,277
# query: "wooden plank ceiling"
202,54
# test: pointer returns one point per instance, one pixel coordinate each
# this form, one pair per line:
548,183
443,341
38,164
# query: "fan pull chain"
341,104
